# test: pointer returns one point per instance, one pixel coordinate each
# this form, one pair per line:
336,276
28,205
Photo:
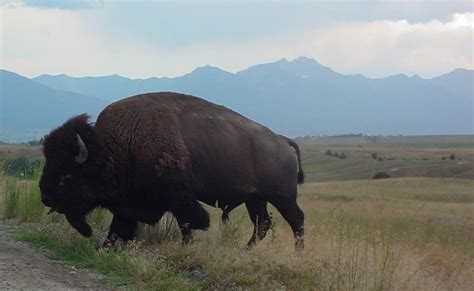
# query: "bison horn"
83,153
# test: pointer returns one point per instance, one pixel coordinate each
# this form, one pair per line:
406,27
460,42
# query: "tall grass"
352,243
21,200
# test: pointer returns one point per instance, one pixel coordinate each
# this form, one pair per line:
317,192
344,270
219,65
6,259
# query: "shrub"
452,157
342,156
374,156
21,167
328,153
381,175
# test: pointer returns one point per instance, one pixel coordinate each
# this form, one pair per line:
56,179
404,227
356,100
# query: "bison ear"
83,153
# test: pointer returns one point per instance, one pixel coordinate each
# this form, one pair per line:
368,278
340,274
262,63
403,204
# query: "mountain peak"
305,60
209,70
282,61
300,67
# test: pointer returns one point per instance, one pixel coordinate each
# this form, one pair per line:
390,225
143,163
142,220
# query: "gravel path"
24,268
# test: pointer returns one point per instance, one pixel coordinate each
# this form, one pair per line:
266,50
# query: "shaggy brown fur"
160,152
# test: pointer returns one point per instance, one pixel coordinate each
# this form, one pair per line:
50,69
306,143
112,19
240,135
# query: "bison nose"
46,201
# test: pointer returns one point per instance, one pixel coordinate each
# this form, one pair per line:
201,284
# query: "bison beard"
166,152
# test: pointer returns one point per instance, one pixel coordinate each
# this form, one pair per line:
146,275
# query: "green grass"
21,200
413,157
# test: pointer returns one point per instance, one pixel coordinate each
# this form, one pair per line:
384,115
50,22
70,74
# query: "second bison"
159,152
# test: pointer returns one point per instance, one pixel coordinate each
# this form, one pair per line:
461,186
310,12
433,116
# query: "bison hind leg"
261,220
293,214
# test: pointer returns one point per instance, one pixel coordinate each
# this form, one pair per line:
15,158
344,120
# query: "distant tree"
381,175
328,153
452,157
342,156
372,138
374,156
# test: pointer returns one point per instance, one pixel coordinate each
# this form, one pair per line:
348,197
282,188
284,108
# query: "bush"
452,157
21,167
342,156
328,153
374,156
381,175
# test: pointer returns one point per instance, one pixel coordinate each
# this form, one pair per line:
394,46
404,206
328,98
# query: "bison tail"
300,176
300,169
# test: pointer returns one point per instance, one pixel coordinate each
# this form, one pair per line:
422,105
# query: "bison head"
71,175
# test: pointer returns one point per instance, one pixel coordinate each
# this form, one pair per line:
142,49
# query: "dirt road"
23,268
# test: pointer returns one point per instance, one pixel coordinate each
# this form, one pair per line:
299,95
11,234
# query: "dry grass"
395,234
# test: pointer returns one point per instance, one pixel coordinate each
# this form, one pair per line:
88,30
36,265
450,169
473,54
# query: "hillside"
28,106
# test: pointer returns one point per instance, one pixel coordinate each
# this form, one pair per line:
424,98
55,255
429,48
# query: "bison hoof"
108,244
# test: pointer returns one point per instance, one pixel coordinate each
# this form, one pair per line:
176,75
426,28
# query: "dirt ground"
24,268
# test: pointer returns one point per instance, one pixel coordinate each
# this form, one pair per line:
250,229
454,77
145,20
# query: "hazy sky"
142,39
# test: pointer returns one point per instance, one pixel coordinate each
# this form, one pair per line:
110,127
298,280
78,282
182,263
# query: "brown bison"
160,152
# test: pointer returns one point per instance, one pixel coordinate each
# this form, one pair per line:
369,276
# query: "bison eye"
63,179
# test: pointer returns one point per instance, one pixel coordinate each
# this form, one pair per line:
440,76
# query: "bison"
159,152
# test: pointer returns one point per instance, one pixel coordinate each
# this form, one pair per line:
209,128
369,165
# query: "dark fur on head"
67,186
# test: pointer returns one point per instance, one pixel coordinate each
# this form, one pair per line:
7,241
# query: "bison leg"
292,213
190,215
121,228
258,213
226,210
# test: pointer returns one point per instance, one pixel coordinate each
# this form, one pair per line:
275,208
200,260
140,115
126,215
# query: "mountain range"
298,97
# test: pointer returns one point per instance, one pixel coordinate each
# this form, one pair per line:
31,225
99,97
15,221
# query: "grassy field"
404,233
423,156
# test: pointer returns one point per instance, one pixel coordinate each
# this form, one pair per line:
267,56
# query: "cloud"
57,4
380,48
65,41
82,42
374,48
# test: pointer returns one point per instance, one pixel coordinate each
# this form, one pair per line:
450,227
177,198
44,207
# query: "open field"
12,151
405,233
417,156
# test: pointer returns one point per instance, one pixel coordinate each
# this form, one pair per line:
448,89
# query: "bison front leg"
121,228
190,215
